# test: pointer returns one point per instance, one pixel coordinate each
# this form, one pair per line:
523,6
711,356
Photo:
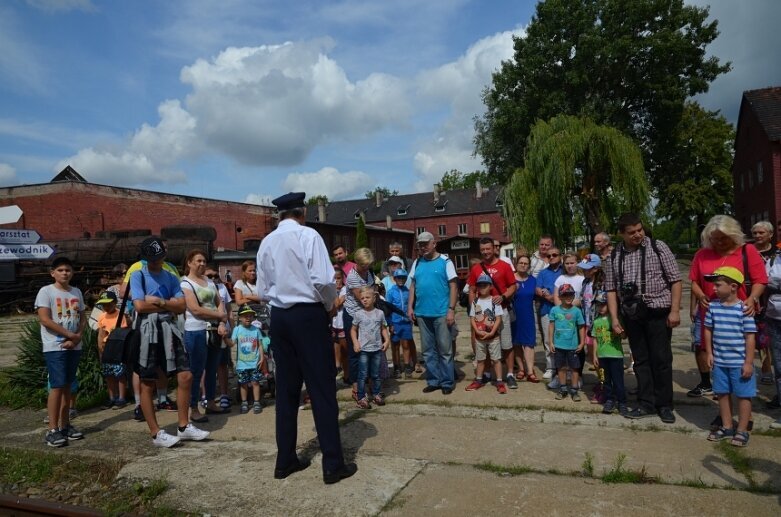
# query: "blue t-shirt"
398,297
547,280
432,285
729,326
565,326
248,342
162,284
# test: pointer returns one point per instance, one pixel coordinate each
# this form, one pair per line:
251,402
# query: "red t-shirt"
706,261
501,273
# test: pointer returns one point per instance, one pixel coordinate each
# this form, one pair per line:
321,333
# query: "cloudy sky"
244,100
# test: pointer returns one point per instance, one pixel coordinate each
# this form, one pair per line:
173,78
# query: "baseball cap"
400,273
152,248
425,237
726,271
396,259
600,297
566,289
246,309
590,261
107,297
484,279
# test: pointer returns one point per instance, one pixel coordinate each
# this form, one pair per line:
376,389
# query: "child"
607,355
567,335
729,341
114,373
248,341
401,326
485,318
370,339
337,329
61,308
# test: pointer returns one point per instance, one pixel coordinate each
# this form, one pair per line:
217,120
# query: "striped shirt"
657,291
729,326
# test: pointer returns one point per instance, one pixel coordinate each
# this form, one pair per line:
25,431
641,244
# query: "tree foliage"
702,186
578,175
455,179
385,191
312,201
629,64
361,237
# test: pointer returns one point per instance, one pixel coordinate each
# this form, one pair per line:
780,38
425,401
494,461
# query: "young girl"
337,328
370,339
248,341
571,276
114,374
593,277
607,355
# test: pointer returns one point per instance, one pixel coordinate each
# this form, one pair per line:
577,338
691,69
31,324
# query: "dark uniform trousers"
649,340
303,352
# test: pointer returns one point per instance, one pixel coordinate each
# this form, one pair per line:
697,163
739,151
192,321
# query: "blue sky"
244,100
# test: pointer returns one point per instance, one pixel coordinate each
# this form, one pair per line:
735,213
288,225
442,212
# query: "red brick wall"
69,210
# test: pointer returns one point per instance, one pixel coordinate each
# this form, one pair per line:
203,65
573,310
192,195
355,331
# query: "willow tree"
578,176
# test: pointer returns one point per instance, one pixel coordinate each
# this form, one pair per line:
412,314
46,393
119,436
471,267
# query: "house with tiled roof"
756,168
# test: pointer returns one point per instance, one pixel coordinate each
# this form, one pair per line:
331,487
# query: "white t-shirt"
338,321
576,281
246,289
66,308
206,295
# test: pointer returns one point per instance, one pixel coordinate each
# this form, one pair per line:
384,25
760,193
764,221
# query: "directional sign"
19,236
25,251
10,214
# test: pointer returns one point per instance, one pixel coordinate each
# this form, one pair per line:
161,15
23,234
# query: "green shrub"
24,385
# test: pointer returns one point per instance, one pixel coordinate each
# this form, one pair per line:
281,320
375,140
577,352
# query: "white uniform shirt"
294,267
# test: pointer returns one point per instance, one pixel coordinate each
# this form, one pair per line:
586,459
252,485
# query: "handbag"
122,343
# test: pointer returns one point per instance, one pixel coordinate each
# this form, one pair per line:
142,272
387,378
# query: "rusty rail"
22,507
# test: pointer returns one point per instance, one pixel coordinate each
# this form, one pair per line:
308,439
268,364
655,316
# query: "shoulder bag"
123,342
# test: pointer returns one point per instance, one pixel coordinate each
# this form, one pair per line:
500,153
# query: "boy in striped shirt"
729,339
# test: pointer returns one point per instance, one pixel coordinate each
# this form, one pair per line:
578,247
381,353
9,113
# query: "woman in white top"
337,325
204,326
571,276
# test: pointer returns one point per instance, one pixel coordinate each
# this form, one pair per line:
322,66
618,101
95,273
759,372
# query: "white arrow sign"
10,214
19,236
25,251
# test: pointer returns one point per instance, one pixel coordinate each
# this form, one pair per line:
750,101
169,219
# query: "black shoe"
700,391
773,403
429,388
299,464
667,415
329,478
447,391
638,413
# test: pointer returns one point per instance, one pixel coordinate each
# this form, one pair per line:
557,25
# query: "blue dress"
524,329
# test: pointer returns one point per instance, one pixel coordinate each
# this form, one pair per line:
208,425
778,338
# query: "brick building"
756,168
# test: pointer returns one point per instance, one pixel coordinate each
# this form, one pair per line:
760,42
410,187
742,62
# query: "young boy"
401,326
248,341
607,354
60,309
485,317
567,335
370,337
113,373
729,341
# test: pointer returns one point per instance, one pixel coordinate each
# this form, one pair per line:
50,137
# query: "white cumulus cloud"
330,182
7,174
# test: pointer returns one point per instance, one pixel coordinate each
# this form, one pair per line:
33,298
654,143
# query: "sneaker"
408,372
203,402
397,373
257,408
168,405
72,414
554,384
71,433
138,415
638,413
164,439
501,388
476,385
107,404
575,396
776,424
244,409
119,403
548,374
609,407
561,394
700,391
192,433
379,399
511,382
667,415
623,410
55,438
363,403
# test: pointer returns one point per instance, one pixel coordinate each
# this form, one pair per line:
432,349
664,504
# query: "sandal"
740,439
521,376
225,402
532,378
721,434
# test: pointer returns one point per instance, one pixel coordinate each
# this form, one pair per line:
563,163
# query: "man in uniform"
295,276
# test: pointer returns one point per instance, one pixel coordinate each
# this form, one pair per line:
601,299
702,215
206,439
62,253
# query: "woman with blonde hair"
723,244
360,276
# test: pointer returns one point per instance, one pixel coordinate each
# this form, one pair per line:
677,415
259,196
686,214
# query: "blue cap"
290,201
400,273
484,279
590,261
600,297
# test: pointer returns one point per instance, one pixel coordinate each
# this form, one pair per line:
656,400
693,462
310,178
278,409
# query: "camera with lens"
629,290
633,306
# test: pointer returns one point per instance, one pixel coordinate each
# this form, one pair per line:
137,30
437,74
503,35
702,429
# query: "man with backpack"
643,287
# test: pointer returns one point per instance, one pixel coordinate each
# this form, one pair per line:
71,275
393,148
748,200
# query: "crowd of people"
321,319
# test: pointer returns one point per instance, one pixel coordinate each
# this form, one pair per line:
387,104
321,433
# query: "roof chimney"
478,190
436,192
321,210
377,198
388,224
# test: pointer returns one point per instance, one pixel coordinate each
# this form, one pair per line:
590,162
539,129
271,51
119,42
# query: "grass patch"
620,474
588,465
20,466
515,470
773,433
150,491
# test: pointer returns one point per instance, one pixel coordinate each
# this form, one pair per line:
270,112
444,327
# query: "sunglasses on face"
212,276
551,255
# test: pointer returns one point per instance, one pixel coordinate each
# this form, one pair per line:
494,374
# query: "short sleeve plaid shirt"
657,290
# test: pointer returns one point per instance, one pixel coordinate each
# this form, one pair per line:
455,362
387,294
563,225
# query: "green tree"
629,64
578,177
361,237
312,201
702,186
455,179
385,191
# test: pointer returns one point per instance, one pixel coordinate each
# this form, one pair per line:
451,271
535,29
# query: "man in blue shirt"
546,281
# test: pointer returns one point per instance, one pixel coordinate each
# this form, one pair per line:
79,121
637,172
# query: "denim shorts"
566,358
247,376
727,379
62,365
402,331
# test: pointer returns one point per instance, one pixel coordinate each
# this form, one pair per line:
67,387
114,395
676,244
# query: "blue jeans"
202,358
368,366
614,378
437,352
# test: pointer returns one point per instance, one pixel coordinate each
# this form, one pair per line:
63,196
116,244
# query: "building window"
462,229
462,261
421,229
440,207
485,227
402,210
442,230
760,173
